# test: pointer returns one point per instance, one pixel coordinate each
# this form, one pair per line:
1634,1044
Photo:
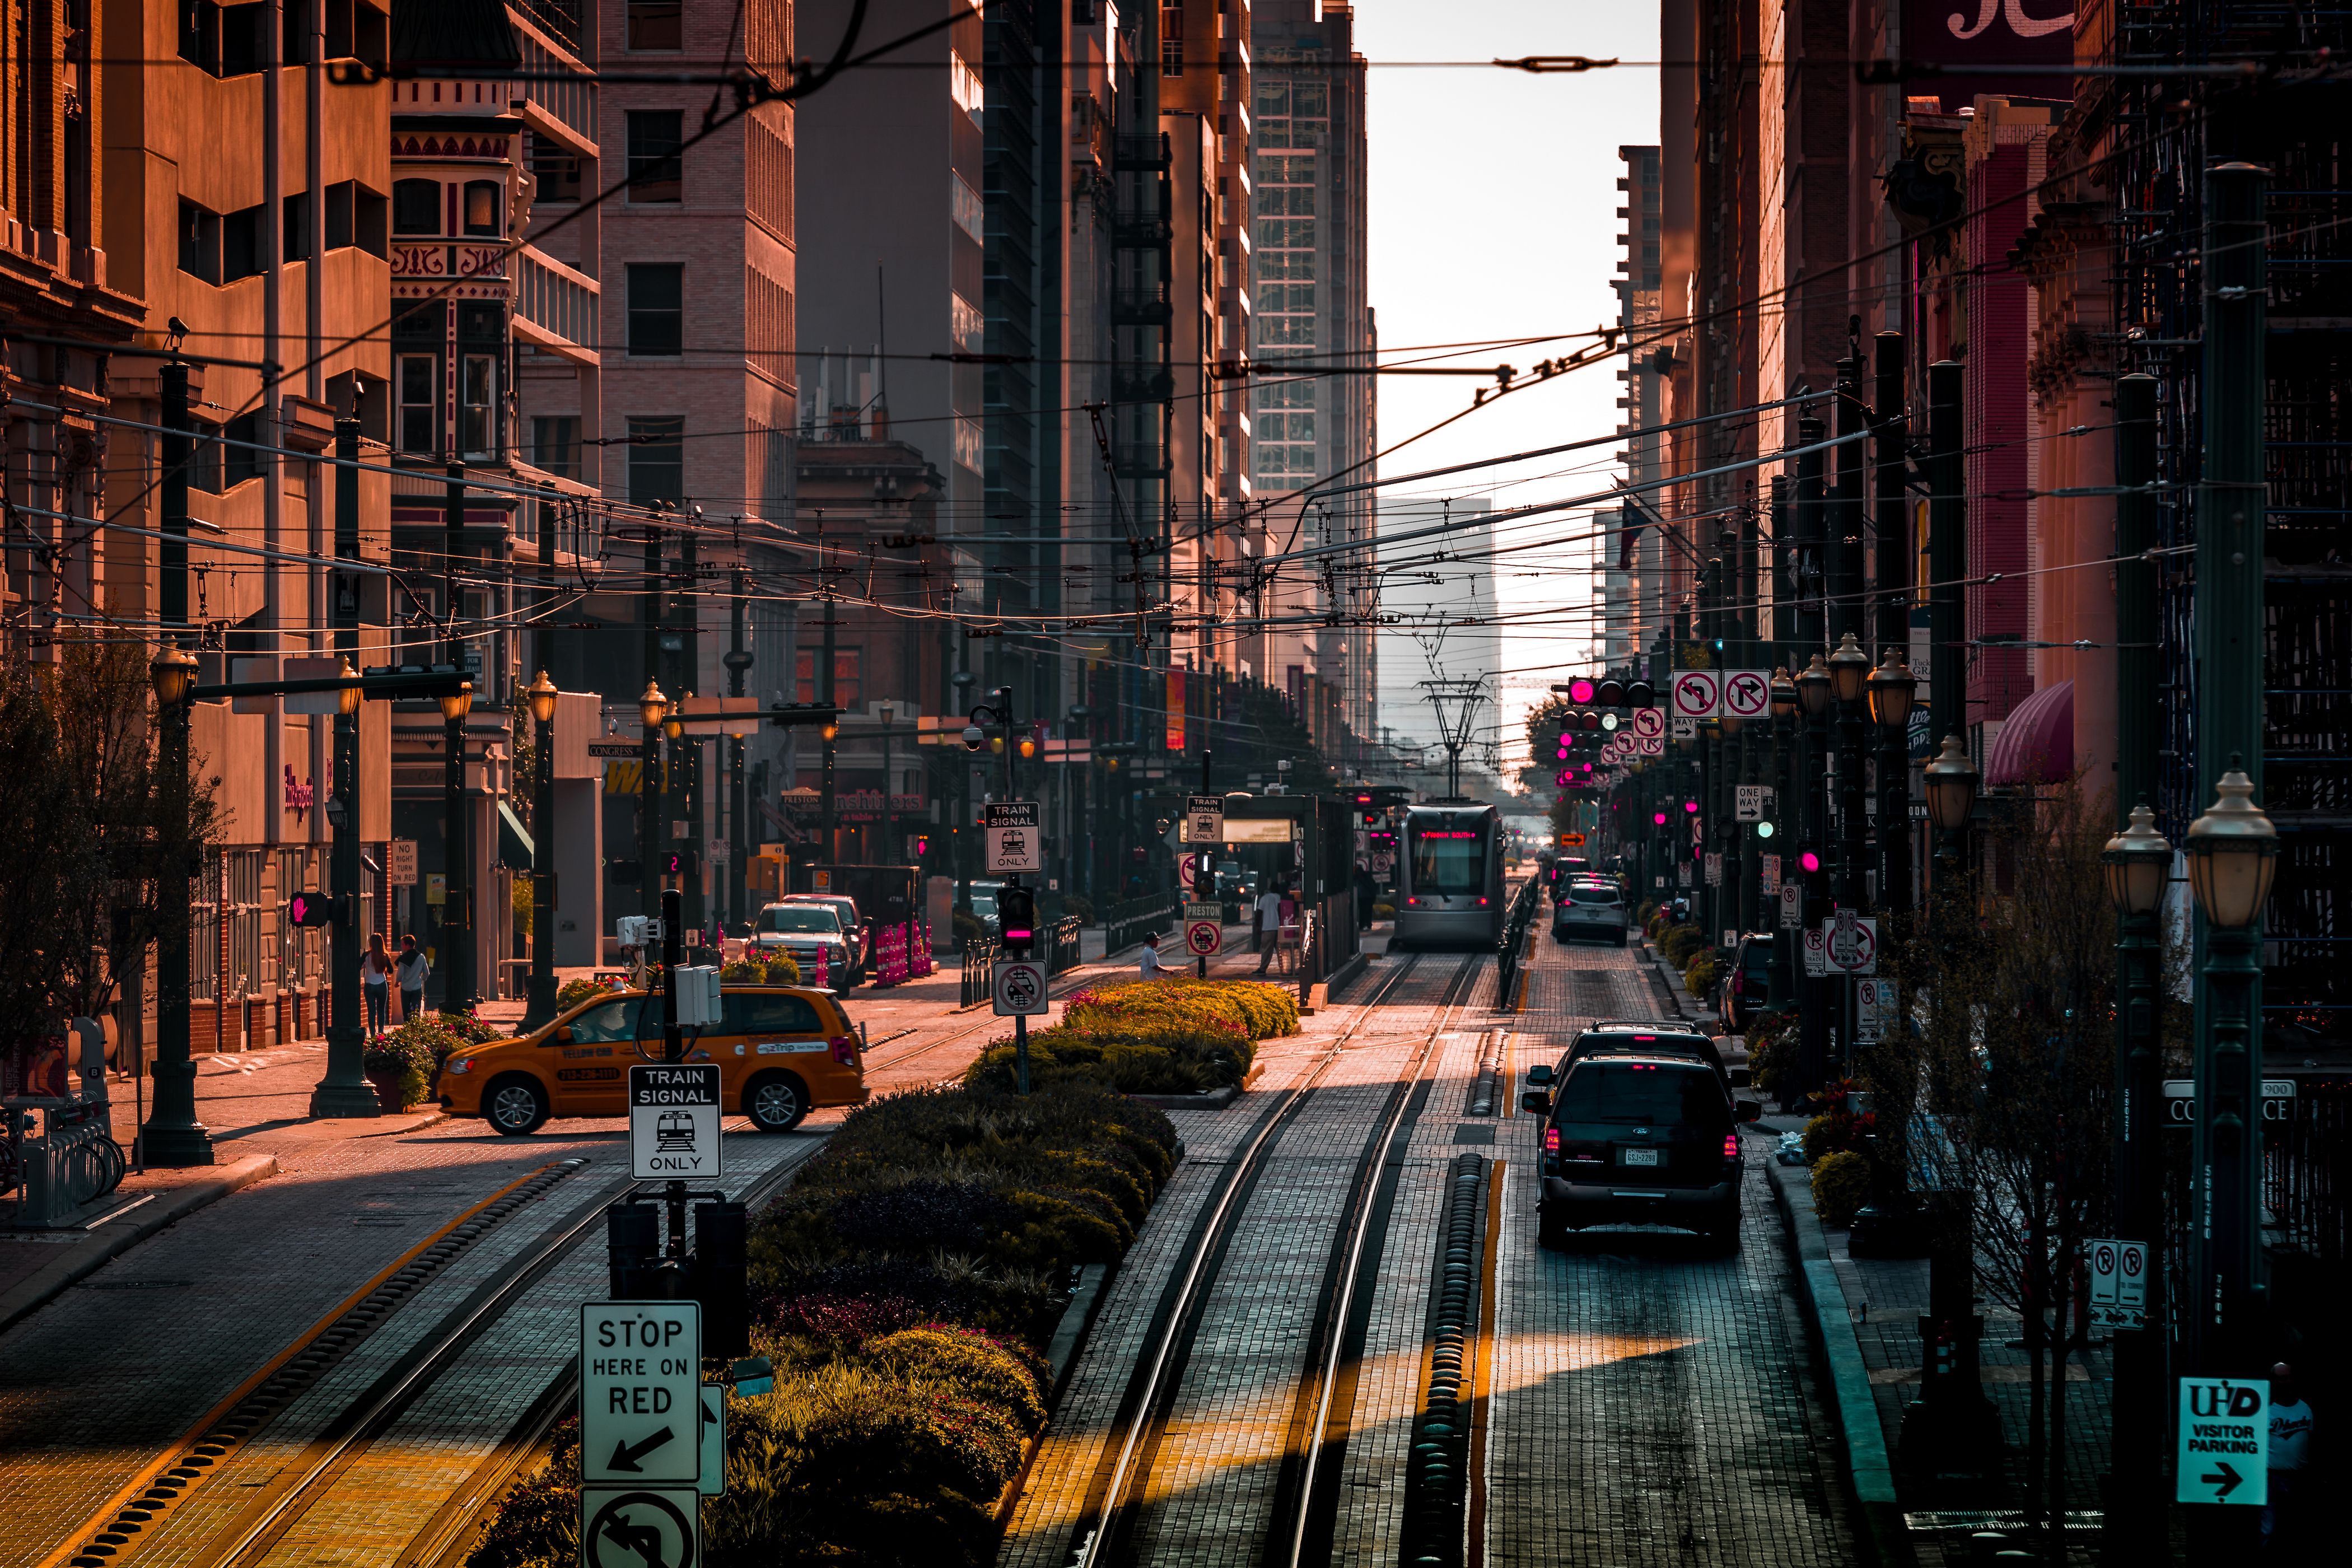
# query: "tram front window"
1449,862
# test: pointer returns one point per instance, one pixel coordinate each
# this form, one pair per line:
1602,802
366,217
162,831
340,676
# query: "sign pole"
673,1050
1204,866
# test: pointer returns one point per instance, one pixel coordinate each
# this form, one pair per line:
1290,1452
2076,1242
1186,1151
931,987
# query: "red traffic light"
1658,817
1691,806
1579,689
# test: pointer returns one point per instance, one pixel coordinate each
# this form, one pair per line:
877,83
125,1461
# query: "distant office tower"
1633,579
1445,628
1309,292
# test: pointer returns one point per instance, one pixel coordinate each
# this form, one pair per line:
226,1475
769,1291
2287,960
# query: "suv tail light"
845,1049
1738,983
1731,1146
1551,1140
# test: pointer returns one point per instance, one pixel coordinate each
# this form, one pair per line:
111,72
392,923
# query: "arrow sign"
1747,693
2222,1475
1695,693
626,1454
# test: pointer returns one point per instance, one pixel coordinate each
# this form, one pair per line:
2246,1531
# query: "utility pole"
738,803
457,934
649,779
1947,551
1894,597
172,1136
344,1091
825,686
1809,776
540,990
2225,1239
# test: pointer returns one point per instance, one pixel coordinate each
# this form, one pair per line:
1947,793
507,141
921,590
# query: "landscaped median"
903,1287
1151,1037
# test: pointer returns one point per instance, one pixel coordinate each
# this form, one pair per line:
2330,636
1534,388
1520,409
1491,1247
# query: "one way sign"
2225,1439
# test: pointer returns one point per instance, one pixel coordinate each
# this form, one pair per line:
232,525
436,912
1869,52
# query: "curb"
112,1241
1868,1469
1214,1099
1684,1006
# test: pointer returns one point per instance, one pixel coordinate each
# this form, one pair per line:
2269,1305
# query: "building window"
655,174
656,307
199,242
240,463
242,237
964,206
966,325
965,87
555,446
419,426
481,212
849,675
555,169
657,25
415,207
477,405
656,460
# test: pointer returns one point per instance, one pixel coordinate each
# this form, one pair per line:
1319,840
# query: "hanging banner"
1175,736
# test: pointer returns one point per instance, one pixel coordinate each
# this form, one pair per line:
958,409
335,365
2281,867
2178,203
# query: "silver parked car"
1593,909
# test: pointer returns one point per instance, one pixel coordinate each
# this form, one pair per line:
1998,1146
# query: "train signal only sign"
1018,988
1204,818
674,1121
1013,837
1695,693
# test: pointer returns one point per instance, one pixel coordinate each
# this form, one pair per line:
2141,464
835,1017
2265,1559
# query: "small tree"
99,843
2004,1089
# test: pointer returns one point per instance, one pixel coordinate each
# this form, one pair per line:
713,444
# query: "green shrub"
1078,907
1834,1131
467,1029
1680,943
1698,979
1150,1036
1771,1054
783,969
744,971
1841,1186
575,991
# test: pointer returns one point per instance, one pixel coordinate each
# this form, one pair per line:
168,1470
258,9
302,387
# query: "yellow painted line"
1482,1369
173,1452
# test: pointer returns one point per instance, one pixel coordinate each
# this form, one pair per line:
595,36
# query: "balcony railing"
559,302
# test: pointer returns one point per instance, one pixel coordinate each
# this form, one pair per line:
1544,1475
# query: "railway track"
1301,1523
240,1481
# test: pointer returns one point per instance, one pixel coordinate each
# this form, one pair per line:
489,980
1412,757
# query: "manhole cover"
144,1285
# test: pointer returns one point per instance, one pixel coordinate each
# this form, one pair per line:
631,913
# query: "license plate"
1641,1156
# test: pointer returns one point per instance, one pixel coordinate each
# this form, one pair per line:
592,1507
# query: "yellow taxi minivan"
782,1052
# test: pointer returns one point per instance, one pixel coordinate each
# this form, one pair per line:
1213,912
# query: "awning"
2036,746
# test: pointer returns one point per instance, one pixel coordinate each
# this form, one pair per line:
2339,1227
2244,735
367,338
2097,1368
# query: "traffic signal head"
1612,694
312,910
1640,695
1017,918
676,862
1691,806
1658,817
1589,720
1579,689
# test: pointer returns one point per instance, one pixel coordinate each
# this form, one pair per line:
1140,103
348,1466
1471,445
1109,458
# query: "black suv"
1641,1037
1640,1139
1749,984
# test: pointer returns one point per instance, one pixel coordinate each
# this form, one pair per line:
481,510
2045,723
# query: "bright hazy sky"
1494,202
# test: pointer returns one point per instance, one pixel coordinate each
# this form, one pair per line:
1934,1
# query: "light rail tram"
1450,878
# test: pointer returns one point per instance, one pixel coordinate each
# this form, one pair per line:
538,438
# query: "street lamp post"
343,1090
1812,862
1892,688
651,706
2232,852
539,1005
1951,1423
172,1134
1786,970
673,729
456,906
887,857
2139,863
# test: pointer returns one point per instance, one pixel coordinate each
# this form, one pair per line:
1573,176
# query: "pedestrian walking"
1148,963
1265,923
375,985
2289,1451
409,969
1287,929
1366,892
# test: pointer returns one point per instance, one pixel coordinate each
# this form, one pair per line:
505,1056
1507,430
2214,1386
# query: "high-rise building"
1311,305
1441,617
1631,604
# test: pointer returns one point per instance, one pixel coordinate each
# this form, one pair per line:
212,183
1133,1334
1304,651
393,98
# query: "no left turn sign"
1649,723
1696,693
640,1527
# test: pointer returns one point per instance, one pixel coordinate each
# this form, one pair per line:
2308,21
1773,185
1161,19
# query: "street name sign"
2118,1283
1695,694
1018,988
640,1393
1204,818
2225,1441
674,1121
1014,842
640,1527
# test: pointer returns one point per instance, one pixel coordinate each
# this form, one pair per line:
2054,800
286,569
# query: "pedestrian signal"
312,910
